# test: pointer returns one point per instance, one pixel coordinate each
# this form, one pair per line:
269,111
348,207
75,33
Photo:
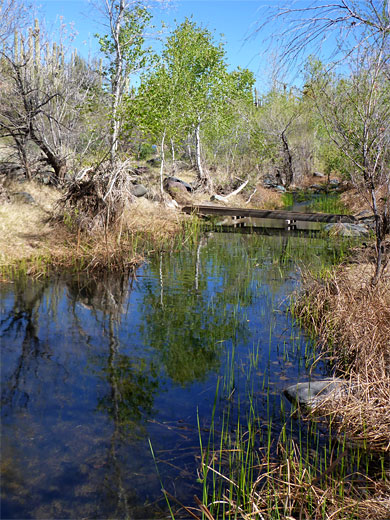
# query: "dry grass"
357,200
265,199
352,320
25,230
297,491
29,235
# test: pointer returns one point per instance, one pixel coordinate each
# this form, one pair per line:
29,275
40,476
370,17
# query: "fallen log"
226,197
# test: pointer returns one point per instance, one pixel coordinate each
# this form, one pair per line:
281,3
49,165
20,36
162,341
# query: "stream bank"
351,319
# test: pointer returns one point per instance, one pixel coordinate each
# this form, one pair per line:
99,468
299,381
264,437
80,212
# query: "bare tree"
358,118
12,15
356,114
349,24
279,120
42,103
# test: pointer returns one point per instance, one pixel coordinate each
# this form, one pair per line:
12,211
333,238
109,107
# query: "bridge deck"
292,216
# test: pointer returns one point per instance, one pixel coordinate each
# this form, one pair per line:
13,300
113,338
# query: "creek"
99,371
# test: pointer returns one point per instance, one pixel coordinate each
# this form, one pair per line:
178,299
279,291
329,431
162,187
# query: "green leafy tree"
189,88
227,134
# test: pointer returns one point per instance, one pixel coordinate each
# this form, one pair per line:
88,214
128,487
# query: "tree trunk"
173,157
287,167
21,143
162,163
382,227
116,83
57,163
204,179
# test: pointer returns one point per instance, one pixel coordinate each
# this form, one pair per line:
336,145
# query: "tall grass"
322,203
329,204
247,474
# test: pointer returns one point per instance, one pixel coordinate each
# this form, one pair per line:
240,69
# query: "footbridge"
288,217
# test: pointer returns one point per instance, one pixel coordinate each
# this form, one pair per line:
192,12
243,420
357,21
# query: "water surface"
95,371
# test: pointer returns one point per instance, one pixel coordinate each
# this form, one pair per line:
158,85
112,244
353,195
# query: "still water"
95,371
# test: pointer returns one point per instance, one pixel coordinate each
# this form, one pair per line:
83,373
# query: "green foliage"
130,40
333,160
188,87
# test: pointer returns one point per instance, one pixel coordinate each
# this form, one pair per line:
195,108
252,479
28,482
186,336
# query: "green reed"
250,469
329,204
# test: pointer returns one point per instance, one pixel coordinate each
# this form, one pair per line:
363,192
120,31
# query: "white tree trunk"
162,163
204,179
117,80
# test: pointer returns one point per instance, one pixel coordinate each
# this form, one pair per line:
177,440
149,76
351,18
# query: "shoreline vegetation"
349,318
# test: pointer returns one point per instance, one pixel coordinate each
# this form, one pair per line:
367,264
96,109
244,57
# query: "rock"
345,229
280,188
365,214
366,218
177,190
9,168
12,171
22,197
154,162
142,170
46,177
176,179
311,393
319,175
334,182
138,190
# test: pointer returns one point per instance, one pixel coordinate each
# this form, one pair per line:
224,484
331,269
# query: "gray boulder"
138,190
319,175
177,190
154,162
269,183
345,229
309,394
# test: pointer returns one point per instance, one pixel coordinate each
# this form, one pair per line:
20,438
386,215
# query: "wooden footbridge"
288,217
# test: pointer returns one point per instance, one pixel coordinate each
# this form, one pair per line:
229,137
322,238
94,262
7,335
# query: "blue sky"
235,19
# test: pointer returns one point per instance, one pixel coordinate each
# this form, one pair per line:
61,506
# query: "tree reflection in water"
91,367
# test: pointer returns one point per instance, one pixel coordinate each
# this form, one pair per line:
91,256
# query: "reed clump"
291,488
97,197
351,318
